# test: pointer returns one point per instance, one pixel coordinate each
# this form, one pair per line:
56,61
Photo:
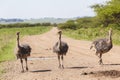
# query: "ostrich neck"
110,38
18,43
59,41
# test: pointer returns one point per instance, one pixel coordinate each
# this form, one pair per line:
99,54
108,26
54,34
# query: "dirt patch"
111,73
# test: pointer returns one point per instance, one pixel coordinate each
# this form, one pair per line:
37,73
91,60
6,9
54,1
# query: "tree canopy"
108,13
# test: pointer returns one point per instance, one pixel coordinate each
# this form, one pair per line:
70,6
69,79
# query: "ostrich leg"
62,62
59,61
26,64
100,59
22,65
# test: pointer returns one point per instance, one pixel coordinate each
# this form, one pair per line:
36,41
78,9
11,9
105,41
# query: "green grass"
8,39
93,34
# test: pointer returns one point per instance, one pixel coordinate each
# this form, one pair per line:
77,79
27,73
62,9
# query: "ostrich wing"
25,49
101,45
62,49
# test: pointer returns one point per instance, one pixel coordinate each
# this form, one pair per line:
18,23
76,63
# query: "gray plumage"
102,45
23,52
60,48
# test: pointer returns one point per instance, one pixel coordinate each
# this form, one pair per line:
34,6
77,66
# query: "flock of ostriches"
101,46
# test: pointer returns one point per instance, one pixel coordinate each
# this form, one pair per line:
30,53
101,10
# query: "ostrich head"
60,32
18,33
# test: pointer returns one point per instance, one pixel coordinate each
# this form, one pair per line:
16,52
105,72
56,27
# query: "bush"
68,25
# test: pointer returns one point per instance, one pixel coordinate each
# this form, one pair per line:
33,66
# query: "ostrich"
61,49
23,52
102,46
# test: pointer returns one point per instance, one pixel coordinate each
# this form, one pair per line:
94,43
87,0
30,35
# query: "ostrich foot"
59,66
100,62
27,68
62,67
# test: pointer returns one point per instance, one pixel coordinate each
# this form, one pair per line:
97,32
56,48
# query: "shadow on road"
41,71
111,64
75,67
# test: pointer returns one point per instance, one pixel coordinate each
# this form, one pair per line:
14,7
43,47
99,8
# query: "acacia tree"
108,13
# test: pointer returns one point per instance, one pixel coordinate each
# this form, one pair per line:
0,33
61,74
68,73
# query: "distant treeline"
20,25
11,20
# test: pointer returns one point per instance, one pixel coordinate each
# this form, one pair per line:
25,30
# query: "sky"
26,9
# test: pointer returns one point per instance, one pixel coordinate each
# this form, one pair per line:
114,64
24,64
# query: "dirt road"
80,62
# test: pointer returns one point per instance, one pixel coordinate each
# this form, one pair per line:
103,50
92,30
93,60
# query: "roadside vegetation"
91,28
